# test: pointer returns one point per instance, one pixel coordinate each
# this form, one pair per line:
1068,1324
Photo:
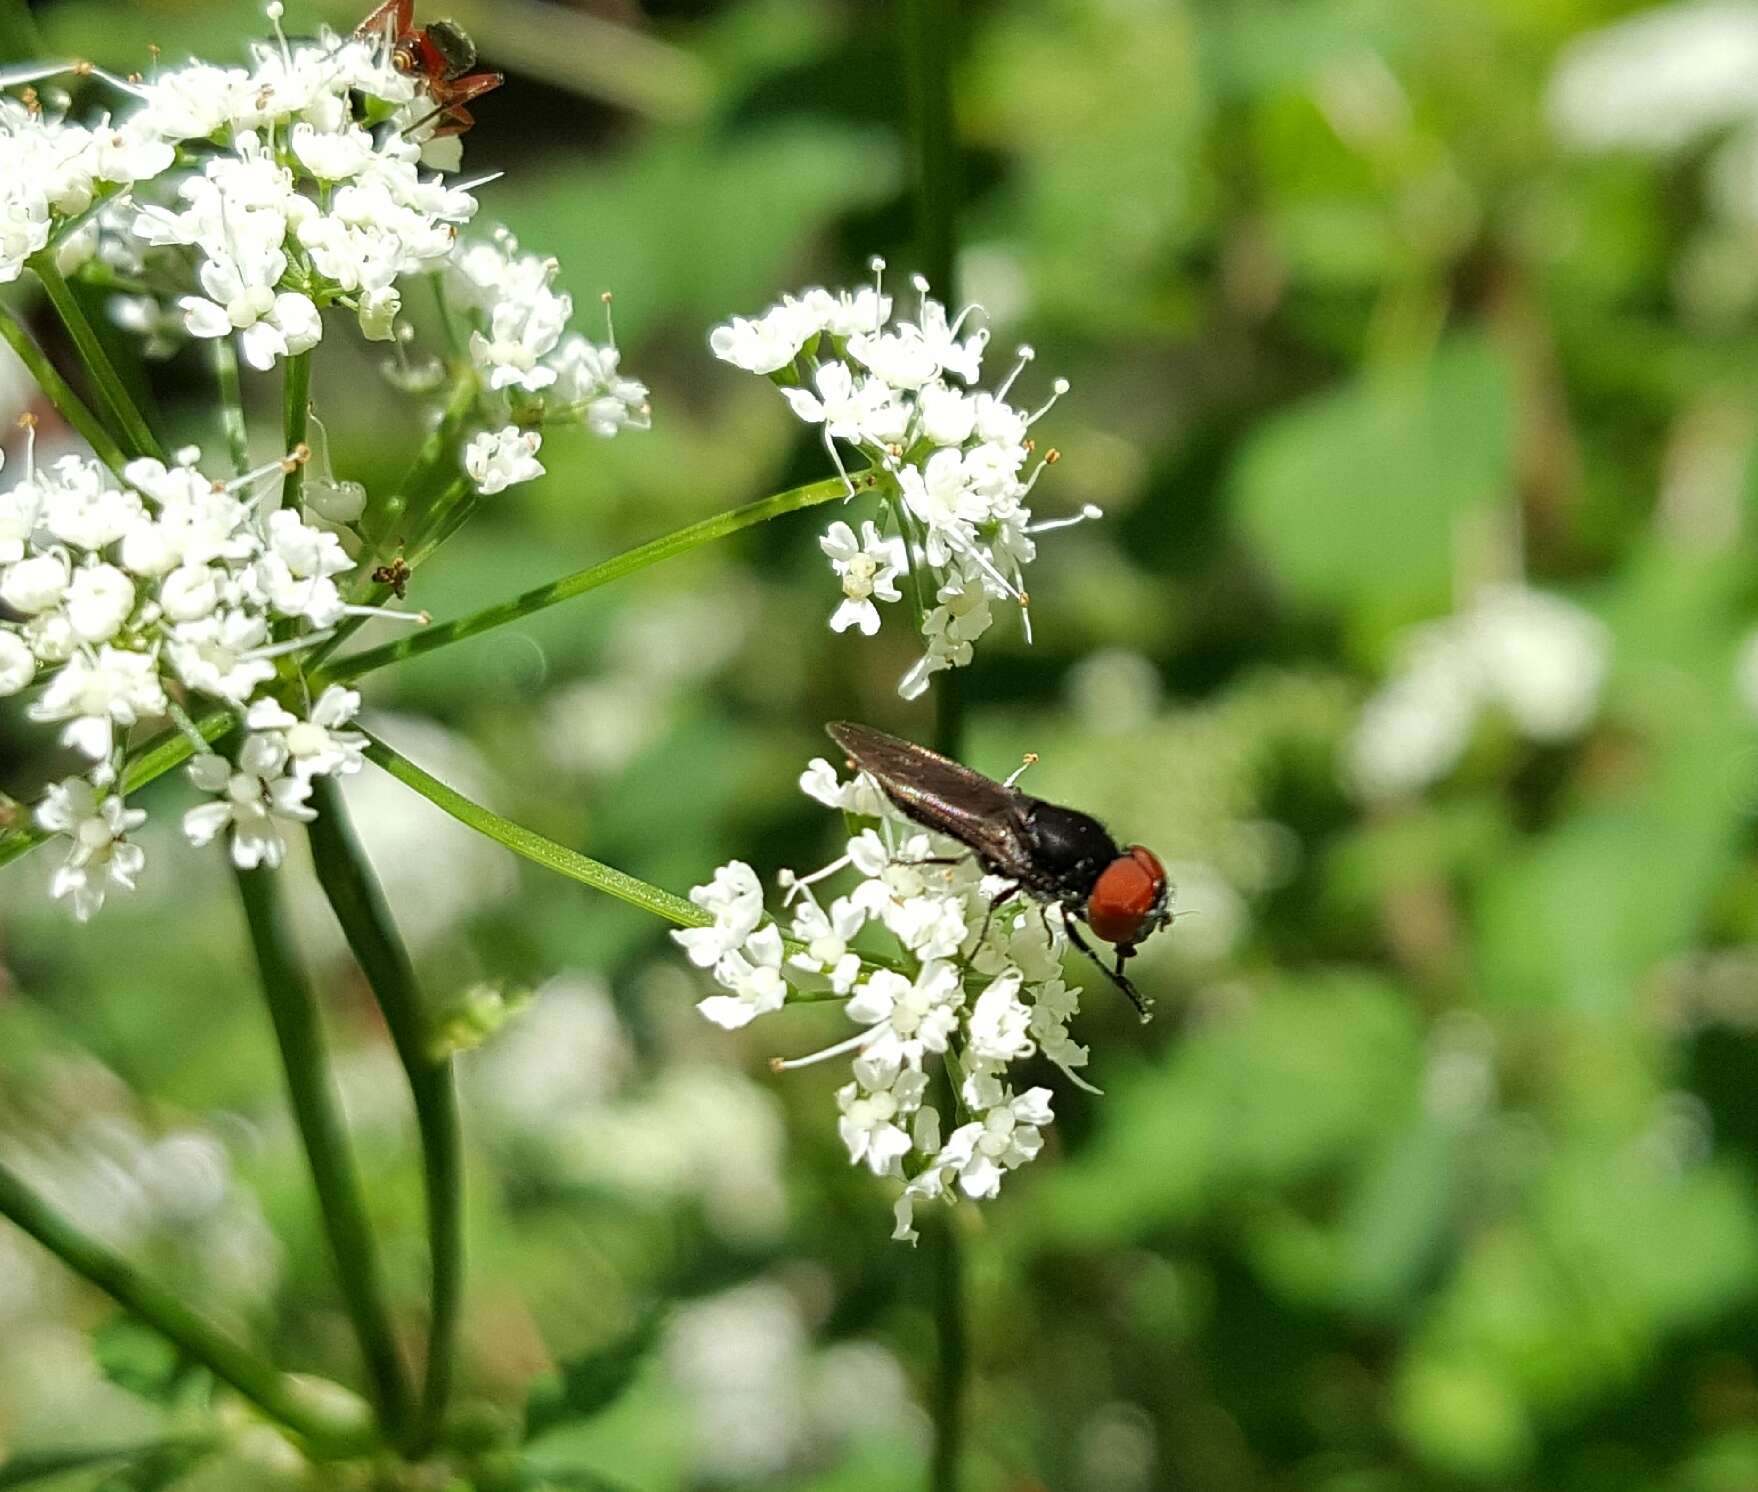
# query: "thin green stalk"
232,404
170,750
450,510
381,523
295,426
40,1466
951,1358
318,1113
137,436
315,1417
570,863
930,32
930,42
593,576
357,899
533,846
58,392
428,460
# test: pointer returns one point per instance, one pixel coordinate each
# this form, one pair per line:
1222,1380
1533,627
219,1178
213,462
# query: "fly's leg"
1116,976
449,99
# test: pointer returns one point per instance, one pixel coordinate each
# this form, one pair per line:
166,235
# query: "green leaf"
137,1358
590,1382
1357,493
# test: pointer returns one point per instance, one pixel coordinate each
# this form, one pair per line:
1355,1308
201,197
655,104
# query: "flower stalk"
327,1429
58,392
317,1111
357,899
929,28
295,425
137,436
681,541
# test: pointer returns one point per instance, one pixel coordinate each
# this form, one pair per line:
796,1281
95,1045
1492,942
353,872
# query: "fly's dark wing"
941,794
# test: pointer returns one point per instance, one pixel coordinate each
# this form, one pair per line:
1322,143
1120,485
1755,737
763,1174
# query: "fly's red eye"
1127,897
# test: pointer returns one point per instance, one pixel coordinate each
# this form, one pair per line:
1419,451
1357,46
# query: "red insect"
1052,853
440,55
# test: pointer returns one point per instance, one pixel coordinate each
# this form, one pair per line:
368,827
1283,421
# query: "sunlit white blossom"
965,986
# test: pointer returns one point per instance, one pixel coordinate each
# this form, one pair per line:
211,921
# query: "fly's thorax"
1069,849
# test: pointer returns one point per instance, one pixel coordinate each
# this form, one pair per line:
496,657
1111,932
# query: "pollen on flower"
902,394
968,985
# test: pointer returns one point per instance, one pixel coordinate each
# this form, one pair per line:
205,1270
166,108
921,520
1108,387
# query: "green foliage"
588,1383
1436,1172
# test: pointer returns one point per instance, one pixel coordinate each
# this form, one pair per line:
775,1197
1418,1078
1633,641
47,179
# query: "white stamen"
1026,354
274,10
1057,390
610,331
1087,514
836,456
292,645
33,72
387,614
853,1044
801,882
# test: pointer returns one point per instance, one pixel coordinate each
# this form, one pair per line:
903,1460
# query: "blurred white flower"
1541,660
1660,78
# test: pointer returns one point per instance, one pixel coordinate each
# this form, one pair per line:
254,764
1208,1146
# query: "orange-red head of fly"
1129,899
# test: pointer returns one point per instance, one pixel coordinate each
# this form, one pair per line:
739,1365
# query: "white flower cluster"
903,394
1540,659
120,598
521,346
244,202
977,987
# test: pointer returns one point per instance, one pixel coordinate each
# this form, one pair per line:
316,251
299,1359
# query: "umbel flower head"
129,596
956,521
251,204
970,990
253,208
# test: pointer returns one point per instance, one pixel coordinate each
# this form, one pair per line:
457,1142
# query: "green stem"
929,44
319,1116
679,542
137,436
929,40
952,1358
570,863
41,1466
450,510
356,898
59,393
380,524
170,750
295,425
434,452
533,846
323,1424
232,417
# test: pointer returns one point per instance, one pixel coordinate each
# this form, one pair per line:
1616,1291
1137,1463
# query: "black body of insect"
1052,853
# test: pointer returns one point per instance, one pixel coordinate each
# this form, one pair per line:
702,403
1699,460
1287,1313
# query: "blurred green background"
1440,1169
